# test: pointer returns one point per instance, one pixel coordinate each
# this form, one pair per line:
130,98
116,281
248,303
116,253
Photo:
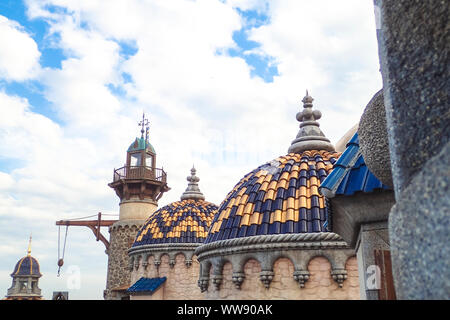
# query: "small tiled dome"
278,197
184,221
27,266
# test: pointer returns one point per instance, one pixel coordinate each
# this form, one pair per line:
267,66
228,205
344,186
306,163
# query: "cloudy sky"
220,81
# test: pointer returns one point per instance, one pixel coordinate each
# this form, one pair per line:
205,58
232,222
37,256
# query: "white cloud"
19,53
205,108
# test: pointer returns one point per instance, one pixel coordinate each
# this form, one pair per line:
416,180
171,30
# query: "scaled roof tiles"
185,221
278,197
27,266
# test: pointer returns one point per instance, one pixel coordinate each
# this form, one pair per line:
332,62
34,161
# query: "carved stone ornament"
301,276
217,280
203,283
339,275
266,278
238,278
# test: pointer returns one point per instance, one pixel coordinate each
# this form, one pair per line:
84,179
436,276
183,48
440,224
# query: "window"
23,286
149,160
135,159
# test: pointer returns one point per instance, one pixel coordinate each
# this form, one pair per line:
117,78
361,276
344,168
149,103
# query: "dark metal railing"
140,172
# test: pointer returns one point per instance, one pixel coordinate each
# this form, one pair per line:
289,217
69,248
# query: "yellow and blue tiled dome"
281,196
184,221
278,197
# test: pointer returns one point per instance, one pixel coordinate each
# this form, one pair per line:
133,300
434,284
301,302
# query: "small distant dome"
141,144
27,266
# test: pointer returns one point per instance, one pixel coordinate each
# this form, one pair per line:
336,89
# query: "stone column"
414,59
122,235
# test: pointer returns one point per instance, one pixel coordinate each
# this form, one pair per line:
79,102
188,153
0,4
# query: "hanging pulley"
61,258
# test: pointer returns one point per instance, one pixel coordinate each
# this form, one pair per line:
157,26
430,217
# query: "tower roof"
141,144
27,266
309,137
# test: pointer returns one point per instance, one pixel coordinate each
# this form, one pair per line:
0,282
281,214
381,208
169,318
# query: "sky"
219,81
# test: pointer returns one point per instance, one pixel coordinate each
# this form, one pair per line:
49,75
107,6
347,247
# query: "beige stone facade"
320,285
181,283
136,209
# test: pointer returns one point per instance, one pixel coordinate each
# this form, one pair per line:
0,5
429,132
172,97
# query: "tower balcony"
141,182
139,173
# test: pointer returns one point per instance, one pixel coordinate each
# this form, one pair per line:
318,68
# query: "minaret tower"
139,185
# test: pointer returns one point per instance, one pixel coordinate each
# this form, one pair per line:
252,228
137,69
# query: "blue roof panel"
147,285
350,174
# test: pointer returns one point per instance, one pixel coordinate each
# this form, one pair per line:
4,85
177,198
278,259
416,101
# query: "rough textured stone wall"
319,286
181,280
181,283
414,56
121,239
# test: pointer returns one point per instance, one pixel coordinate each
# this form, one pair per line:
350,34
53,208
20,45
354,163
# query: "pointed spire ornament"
310,137
29,248
193,192
144,124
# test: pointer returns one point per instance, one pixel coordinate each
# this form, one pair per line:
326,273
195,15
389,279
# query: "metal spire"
29,247
144,124
193,192
310,137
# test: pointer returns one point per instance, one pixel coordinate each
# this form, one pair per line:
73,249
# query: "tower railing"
139,172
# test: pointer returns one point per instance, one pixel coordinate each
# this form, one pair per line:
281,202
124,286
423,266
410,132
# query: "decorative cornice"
305,241
127,223
162,247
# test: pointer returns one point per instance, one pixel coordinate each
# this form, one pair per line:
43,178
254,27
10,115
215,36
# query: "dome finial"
144,124
193,191
29,247
310,137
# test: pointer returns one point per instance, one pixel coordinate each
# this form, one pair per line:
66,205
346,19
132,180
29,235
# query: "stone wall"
283,286
413,44
181,283
122,235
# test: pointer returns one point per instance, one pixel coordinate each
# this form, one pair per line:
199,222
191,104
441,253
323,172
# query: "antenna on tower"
29,247
144,124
